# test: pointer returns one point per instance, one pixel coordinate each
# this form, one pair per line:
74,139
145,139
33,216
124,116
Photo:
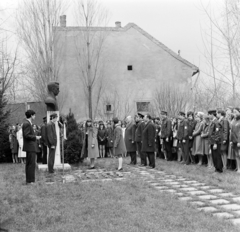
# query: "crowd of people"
211,139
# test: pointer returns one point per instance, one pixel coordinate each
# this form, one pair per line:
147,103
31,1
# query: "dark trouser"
51,159
185,151
151,158
44,154
133,156
141,154
168,149
217,159
30,166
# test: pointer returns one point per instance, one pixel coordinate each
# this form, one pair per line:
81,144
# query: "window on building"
129,67
143,106
108,108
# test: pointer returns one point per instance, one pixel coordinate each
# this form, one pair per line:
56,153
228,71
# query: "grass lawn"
127,205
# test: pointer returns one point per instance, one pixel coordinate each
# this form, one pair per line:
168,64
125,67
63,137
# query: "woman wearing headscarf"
90,143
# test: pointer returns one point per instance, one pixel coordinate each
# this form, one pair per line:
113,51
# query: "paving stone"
169,190
197,192
184,186
237,212
180,194
197,203
235,221
207,209
223,215
231,207
161,187
168,180
207,197
154,184
197,184
226,194
185,198
176,186
190,181
237,199
173,183
188,189
215,190
180,179
204,187
219,202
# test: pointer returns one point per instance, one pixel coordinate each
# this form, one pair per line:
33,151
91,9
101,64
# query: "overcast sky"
176,23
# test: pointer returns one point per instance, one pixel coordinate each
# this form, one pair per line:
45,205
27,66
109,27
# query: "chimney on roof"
63,21
118,24
179,52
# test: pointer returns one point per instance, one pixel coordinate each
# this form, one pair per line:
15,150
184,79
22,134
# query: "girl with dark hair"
102,136
90,144
14,144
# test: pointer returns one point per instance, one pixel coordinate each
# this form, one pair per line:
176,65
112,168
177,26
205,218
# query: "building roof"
127,27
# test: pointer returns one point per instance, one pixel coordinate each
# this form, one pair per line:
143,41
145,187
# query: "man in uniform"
138,138
215,139
183,137
44,140
148,140
166,135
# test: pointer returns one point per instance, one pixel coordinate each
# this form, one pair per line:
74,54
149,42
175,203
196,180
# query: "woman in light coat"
198,141
90,143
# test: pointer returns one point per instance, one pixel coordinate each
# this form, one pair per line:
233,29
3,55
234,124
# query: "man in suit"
130,139
138,138
215,139
29,145
51,137
166,134
221,115
183,138
191,126
148,140
44,140
157,138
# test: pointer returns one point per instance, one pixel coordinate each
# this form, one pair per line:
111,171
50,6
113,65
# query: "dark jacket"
235,132
51,134
130,137
102,135
29,138
166,128
225,129
148,138
182,133
215,132
191,127
118,143
110,134
43,134
139,129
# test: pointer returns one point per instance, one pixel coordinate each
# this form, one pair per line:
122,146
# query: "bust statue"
51,100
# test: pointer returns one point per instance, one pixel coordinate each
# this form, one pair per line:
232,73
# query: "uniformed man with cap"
215,139
183,137
138,138
51,141
166,134
44,140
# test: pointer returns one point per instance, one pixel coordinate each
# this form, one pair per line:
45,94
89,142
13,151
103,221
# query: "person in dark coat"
183,137
102,139
44,140
138,138
119,147
221,115
148,140
29,145
51,141
166,134
215,139
38,143
130,140
157,137
14,144
191,127
109,143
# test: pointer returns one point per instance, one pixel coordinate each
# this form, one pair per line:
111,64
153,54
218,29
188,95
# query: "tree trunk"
90,102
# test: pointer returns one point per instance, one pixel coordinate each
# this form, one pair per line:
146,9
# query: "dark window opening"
129,67
108,108
143,106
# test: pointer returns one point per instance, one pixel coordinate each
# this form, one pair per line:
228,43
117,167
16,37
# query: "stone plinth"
44,167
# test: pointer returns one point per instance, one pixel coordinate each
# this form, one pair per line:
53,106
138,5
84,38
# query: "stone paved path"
209,199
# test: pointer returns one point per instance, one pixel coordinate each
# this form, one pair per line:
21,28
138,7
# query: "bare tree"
172,98
36,20
90,15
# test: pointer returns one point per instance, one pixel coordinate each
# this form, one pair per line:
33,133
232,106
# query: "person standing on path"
51,141
130,139
29,145
148,140
44,140
215,137
119,147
